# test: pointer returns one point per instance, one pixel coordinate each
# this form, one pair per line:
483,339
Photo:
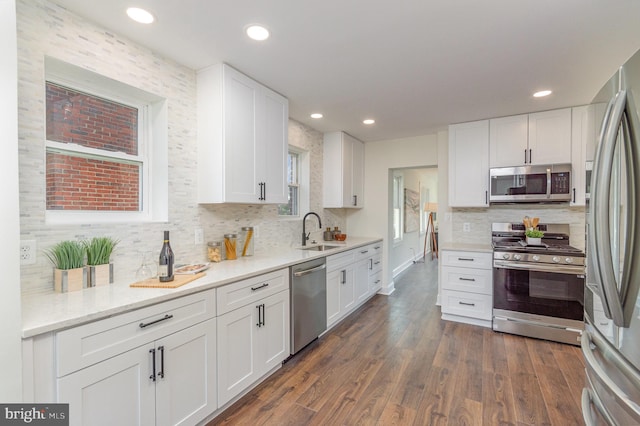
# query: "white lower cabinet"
340,292
252,339
168,382
466,284
352,278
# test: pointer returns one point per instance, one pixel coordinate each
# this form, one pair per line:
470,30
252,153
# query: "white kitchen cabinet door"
340,293
508,138
357,174
272,154
241,103
361,279
347,290
274,337
343,165
117,391
252,340
242,139
236,351
550,137
186,392
334,283
469,164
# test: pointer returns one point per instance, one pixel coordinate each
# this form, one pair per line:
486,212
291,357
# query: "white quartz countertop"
51,311
484,248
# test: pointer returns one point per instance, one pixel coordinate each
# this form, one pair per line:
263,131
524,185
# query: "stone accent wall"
45,29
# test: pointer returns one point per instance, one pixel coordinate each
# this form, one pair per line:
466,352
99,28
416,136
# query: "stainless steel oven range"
538,290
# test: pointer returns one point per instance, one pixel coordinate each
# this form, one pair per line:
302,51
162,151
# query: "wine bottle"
165,262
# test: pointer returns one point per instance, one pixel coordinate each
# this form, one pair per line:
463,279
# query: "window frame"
398,197
303,182
152,145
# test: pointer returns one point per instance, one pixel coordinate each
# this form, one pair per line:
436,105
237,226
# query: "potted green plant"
70,273
98,251
534,236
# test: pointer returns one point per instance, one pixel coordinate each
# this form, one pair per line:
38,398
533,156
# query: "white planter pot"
534,241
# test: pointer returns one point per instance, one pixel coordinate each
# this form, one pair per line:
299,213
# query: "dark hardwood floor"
394,361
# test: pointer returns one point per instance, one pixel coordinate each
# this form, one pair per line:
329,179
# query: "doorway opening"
413,201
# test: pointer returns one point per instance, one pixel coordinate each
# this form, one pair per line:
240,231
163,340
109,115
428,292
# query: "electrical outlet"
466,227
199,236
27,252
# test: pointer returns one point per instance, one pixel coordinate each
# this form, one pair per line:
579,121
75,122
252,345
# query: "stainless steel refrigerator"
611,340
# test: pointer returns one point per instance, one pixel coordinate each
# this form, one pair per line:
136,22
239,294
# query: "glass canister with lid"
215,251
230,246
245,246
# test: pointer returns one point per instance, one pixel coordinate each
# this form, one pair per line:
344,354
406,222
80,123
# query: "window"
398,202
106,149
296,178
92,152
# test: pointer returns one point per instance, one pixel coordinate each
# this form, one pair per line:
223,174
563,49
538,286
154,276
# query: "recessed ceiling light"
257,32
368,121
140,15
542,94
316,115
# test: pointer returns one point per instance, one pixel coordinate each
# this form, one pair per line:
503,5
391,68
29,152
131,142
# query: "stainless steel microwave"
530,184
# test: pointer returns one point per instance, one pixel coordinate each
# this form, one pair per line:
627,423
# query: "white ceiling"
413,65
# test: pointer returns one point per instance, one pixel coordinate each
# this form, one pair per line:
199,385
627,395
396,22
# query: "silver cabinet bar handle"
467,304
466,279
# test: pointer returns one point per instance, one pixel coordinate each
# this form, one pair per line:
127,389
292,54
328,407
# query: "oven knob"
505,256
517,257
536,258
568,260
556,259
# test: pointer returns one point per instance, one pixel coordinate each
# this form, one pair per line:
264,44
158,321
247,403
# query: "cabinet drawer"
88,344
467,304
363,252
241,293
467,279
340,260
467,259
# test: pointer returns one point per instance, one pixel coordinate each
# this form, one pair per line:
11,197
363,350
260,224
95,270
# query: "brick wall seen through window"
92,179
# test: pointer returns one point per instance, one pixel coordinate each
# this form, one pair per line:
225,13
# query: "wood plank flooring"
395,362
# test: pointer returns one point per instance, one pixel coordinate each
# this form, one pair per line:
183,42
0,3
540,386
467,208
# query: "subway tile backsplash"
480,220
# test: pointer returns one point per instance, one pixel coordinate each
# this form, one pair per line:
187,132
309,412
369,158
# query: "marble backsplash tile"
480,220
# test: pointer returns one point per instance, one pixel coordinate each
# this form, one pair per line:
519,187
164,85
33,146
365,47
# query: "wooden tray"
178,281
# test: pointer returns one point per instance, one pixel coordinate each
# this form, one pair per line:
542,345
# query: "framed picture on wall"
411,210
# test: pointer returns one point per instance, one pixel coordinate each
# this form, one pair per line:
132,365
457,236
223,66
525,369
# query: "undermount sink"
319,247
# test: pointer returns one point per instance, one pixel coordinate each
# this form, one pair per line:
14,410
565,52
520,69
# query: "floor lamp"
430,207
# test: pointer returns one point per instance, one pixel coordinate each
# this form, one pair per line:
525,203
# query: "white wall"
10,326
380,158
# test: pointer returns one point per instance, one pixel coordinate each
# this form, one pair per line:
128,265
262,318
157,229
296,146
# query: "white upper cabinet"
242,139
531,139
585,129
550,137
508,141
343,171
468,164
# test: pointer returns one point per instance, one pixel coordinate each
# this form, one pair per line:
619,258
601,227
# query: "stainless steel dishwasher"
308,285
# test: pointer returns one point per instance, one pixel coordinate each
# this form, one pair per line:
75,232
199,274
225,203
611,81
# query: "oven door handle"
558,269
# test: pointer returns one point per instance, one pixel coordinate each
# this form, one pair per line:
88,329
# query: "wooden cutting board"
178,281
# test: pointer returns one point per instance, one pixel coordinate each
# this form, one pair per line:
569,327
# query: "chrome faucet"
305,236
